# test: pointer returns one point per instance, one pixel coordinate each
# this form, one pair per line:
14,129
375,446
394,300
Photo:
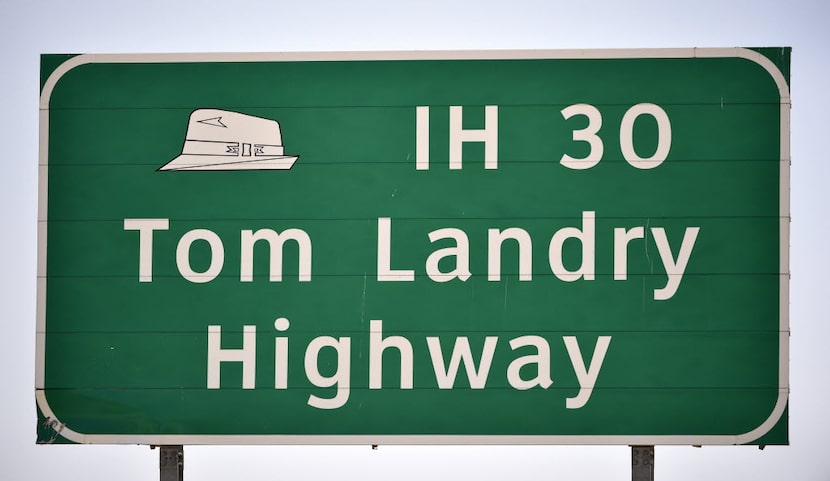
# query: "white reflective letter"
587,377
586,238
674,269
145,228
217,355
281,355
217,255
489,135
385,272
495,240
621,239
461,252
421,138
541,359
340,379
378,344
461,352
275,242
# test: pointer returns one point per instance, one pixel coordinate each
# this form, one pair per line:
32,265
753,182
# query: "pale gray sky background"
31,27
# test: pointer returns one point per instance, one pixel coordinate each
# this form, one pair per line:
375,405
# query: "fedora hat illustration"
224,140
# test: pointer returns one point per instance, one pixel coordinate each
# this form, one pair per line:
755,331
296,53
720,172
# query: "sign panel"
553,247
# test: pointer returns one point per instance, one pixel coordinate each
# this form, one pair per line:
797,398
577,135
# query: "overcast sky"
31,27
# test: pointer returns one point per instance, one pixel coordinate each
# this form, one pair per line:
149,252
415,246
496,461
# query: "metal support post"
171,463
642,463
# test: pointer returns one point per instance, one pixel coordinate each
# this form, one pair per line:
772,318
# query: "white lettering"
495,238
587,377
377,345
217,255
663,136
327,362
421,138
586,238
588,134
217,355
541,359
461,253
674,268
281,355
340,379
489,135
145,228
275,242
621,239
461,352
385,271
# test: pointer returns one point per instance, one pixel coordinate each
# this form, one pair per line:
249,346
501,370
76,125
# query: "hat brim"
207,162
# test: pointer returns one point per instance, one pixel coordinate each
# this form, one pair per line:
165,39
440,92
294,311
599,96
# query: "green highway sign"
485,247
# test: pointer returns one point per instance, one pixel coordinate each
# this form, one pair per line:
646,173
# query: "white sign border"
223,439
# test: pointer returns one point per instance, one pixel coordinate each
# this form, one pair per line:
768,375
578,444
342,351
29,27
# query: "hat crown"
225,126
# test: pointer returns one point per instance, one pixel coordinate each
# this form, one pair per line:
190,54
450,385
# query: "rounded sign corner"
769,423
53,423
768,65
62,69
